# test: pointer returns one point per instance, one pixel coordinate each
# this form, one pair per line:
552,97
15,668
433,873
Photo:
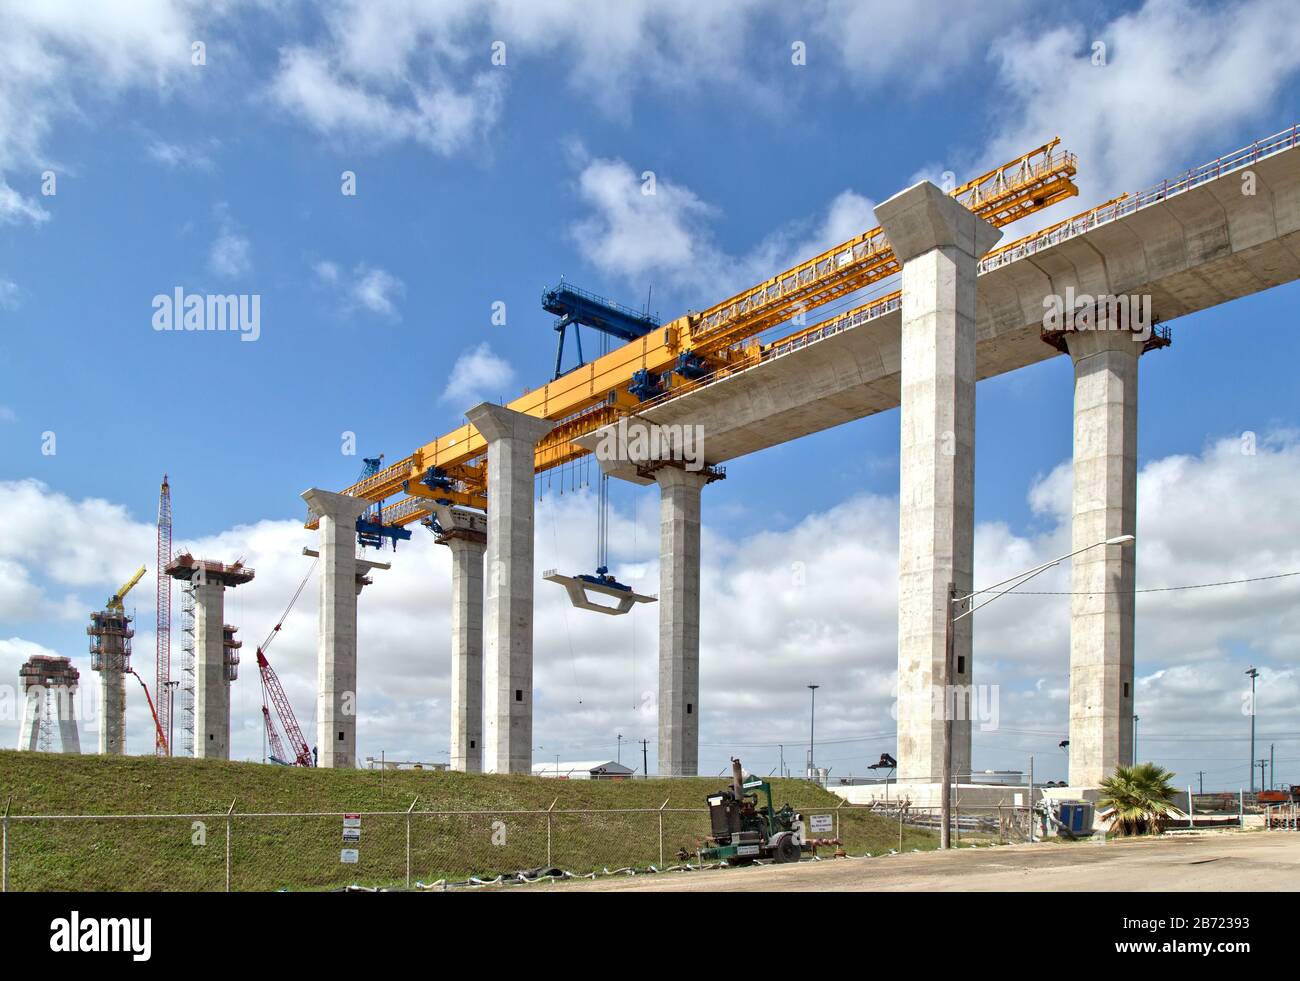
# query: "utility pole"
812,729
781,746
1135,740
1263,765
1252,674
619,757
645,757
1271,747
945,800
1200,776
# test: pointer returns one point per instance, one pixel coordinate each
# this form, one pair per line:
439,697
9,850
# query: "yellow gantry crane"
670,359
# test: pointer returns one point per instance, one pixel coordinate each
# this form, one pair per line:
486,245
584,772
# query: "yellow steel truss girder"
1036,180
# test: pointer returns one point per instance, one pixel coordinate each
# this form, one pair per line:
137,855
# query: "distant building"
583,770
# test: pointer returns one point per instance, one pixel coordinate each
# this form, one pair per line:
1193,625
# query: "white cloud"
10,294
326,271
368,288
920,44
433,111
62,58
666,236
477,376
827,612
15,209
1178,75
7,414
231,253
433,81
180,156
376,289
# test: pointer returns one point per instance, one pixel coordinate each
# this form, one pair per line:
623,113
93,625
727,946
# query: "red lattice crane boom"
273,693
163,631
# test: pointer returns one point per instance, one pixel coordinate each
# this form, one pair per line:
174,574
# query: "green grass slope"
487,824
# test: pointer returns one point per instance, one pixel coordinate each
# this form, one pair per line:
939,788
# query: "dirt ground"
1230,861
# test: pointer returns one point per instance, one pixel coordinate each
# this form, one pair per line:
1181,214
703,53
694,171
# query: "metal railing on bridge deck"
1286,139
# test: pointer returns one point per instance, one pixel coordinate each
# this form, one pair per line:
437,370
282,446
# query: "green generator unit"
745,830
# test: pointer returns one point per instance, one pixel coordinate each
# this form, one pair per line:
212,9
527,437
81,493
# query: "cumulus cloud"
367,288
434,83
641,225
827,614
180,156
231,253
1176,75
433,112
10,294
477,376
16,209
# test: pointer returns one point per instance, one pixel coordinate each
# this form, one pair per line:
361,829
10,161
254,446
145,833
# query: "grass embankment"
303,852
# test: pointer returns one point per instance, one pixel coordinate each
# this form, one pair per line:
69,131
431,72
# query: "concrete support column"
112,710
211,689
65,700
465,533
939,244
679,619
508,627
1102,579
29,736
336,643
467,655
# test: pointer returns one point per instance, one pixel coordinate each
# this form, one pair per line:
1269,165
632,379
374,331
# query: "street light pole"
952,616
1253,673
945,802
1134,761
812,728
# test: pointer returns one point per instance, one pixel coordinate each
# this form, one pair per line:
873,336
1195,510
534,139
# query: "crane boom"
158,729
273,692
453,467
115,601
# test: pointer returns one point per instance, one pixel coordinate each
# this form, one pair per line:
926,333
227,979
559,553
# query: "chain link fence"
406,849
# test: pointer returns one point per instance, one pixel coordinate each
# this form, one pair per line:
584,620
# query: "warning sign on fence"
349,856
820,823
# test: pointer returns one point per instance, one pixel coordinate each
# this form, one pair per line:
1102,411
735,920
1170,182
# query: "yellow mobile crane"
666,360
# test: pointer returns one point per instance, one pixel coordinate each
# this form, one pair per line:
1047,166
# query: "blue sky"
479,183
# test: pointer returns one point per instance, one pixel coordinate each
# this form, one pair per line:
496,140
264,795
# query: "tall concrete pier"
216,657
679,619
49,686
508,626
465,533
342,576
939,244
1102,579
111,633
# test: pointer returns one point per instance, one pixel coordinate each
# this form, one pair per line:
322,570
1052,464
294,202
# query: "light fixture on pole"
945,832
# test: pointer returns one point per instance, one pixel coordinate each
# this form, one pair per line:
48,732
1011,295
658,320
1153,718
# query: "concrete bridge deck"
1191,251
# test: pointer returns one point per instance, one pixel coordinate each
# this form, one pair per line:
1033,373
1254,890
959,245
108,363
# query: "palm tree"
1140,798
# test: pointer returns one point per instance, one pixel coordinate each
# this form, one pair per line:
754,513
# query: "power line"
1152,589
